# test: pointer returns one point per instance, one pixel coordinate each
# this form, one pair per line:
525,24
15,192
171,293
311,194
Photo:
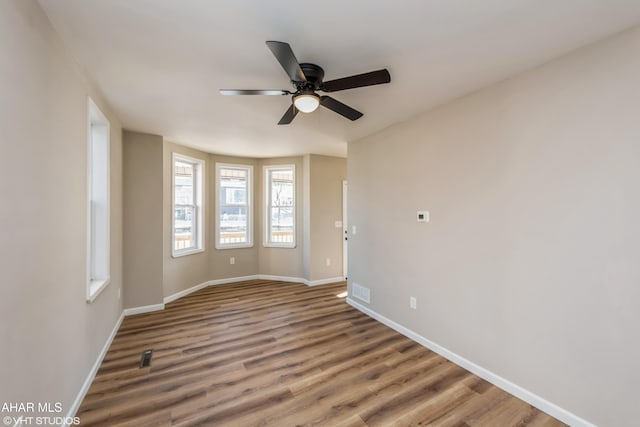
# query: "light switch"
423,216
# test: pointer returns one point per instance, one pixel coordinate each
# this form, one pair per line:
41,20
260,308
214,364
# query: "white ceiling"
160,63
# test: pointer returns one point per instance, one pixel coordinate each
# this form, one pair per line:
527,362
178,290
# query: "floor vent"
362,293
145,359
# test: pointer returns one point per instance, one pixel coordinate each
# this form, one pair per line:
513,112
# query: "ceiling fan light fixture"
306,102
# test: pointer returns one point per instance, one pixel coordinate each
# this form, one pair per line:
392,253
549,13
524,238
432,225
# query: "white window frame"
249,170
198,188
267,204
98,202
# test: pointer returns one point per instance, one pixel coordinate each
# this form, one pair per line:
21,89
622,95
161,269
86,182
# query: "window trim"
199,204
249,169
267,205
95,118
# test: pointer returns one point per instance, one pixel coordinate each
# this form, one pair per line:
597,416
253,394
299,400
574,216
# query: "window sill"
282,246
95,288
238,246
187,252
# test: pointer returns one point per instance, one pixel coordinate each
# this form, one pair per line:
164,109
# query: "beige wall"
529,266
50,336
143,225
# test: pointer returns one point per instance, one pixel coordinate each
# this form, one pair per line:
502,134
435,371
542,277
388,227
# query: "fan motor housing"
314,74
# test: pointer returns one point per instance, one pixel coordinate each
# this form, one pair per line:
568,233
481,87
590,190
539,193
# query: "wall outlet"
328,262
412,302
232,260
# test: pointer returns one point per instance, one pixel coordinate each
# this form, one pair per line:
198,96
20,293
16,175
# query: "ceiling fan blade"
253,92
340,108
289,115
283,53
359,80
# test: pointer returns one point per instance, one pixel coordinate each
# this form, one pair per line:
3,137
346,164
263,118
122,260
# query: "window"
281,207
98,213
187,205
233,206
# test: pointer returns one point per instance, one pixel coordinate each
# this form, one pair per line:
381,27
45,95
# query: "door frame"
345,230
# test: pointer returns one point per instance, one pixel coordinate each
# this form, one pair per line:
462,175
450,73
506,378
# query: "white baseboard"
324,281
143,309
301,280
506,385
233,280
184,292
94,370
282,278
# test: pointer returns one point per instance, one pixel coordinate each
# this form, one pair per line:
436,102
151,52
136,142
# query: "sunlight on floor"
342,294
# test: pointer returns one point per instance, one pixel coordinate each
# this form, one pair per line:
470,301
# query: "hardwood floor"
265,353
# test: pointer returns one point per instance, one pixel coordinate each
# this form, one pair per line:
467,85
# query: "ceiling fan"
307,79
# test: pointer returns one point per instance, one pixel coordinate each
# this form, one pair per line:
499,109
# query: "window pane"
184,227
233,225
233,187
187,204
98,208
184,177
233,210
282,193
236,196
281,225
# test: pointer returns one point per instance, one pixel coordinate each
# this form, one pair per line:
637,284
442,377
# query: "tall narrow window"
98,214
281,207
233,206
187,205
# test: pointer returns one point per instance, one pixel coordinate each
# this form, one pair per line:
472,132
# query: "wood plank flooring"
266,353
